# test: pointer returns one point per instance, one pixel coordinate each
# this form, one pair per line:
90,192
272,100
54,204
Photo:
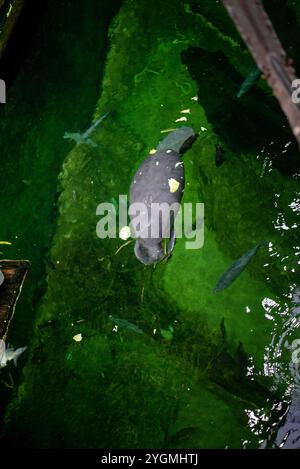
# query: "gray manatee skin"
150,185
180,140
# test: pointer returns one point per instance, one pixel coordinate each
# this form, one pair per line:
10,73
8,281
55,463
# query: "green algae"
116,388
40,107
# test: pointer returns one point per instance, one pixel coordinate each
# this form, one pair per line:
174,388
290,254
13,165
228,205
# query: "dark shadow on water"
23,40
53,67
246,124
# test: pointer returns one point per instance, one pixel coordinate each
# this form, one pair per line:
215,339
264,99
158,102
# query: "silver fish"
7,354
236,268
85,137
125,324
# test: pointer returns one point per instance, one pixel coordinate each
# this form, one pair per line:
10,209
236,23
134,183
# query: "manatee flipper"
172,242
169,248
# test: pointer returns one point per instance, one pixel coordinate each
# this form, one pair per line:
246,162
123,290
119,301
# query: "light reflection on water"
284,432
279,427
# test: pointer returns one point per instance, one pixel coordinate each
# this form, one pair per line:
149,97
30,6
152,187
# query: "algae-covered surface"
158,360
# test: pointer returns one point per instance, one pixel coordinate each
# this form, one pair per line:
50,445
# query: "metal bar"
255,27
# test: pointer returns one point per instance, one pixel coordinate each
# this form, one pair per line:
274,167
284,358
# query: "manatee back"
153,180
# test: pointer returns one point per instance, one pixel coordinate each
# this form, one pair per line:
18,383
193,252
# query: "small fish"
237,268
7,243
85,137
125,324
75,136
7,354
93,127
250,81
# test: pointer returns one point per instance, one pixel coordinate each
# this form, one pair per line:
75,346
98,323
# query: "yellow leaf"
77,337
173,184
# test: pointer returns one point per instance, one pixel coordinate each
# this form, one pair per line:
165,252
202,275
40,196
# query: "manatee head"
180,140
149,251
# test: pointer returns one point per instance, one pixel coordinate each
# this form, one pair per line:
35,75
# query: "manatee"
159,180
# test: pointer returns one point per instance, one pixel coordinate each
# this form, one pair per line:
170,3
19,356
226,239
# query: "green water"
198,386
